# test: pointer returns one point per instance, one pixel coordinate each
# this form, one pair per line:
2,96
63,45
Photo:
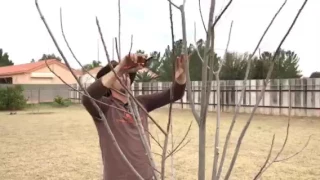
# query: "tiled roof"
25,68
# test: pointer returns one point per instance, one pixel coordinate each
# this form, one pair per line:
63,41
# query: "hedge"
12,98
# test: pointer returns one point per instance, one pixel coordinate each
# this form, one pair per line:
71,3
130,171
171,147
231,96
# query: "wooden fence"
302,94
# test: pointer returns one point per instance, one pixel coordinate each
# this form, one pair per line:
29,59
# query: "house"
87,79
37,73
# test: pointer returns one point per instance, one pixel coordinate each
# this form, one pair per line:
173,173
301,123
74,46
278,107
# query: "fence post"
31,98
290,101
39,95
280,97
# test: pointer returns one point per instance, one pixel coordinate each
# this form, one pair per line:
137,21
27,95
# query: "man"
108,90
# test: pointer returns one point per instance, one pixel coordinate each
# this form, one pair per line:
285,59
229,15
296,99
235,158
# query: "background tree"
315,74
4,59
92,65
165,68
144,77
234,66
152,66
286,65
260,66
195,65
49,56
140,51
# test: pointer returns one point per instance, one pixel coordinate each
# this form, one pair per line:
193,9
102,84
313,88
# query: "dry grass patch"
64,145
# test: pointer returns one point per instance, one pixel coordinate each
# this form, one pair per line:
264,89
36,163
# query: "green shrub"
12,98
60,101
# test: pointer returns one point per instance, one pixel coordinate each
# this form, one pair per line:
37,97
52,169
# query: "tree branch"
200,11
262,93
65,40
119,32
126,89
217,134
101,114
137,119
184,137
220,15
185,52
238,105
205,92
287,158
196,45
117,49
284,143
267,160
169,124
173,4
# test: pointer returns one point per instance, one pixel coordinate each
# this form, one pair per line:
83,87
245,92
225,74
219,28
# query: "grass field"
64,145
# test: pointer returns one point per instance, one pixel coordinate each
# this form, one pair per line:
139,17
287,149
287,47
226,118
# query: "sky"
24,37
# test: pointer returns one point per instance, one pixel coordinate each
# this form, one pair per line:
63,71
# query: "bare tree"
205,92
208,73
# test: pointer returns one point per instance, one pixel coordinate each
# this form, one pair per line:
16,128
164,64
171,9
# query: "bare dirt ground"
64,145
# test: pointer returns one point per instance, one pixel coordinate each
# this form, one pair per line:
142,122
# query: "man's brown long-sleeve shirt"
125,130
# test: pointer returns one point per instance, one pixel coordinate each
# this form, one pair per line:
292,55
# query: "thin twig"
113,51
217,135
196,45
238,105
171,90
156,140
287,135
74,56
178,149
131,44
184,137
226,51
200,11
119,32
234,158
220,15
267,160
173,4
169,124
287,158
117,50
284,143
185,53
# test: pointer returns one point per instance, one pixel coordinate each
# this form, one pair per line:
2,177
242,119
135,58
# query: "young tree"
210,70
